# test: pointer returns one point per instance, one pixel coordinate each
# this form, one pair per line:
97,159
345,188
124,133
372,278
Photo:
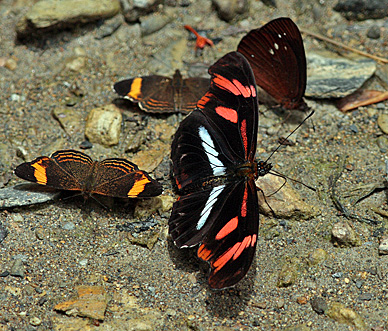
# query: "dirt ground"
67,243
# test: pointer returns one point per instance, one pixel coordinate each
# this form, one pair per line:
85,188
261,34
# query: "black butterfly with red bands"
214,167
277,57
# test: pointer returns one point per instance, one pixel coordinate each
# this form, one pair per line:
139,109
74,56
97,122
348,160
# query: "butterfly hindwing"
121,178
276,54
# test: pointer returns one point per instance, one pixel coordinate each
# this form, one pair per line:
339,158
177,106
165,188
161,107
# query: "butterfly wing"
123,179
276,54
191,91
217,209
153,93
63,170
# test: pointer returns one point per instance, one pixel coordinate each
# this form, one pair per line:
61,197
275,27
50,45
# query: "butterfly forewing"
276,54
213,165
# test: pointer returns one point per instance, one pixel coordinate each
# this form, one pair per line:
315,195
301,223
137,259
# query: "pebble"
133,10
83,262
365,297
4,274
17,269
47,15
343,235
317,257
68,226
228,10
338,312
3,232
154,22
25,194
35,321
103,125
382,143
382,122
383,247
319,305
374,32
288,274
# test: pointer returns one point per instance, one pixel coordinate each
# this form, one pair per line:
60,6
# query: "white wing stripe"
211,152
216,191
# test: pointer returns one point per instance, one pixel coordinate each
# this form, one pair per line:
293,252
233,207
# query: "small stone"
338,312
301,300
227,10
35,321
362,9
365,297
103,125
374,32
83,262
383,247
319,305
382,122
17,268
288,274
68,226
3,232
132,10
10,64
154,23
280,303
40,234
337,275
75,63
317,257
4,274
343,235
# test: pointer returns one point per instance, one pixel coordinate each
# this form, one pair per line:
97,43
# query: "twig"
339,44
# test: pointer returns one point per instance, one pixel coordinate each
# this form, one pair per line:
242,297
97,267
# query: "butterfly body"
214,167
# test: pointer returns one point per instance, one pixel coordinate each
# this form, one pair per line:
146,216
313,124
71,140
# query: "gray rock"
56,14
17,268
319,305
374,32
332,76
71,121
103,125
362,9
3,232
155,22
134,9
26,194
382,122
383,247
228,10
343,235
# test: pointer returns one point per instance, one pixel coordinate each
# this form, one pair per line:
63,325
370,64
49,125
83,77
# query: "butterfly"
277,57
160,94
75,171
214,167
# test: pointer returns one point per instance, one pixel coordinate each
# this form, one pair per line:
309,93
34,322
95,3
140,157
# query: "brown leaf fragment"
361,98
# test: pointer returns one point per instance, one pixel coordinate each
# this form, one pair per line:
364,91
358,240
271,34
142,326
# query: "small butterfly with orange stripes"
75,171
160,94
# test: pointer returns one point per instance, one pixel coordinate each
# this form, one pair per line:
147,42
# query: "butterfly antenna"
290,134
275,173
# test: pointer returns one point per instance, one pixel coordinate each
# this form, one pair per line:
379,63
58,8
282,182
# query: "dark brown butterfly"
75,171
277,57
160,94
